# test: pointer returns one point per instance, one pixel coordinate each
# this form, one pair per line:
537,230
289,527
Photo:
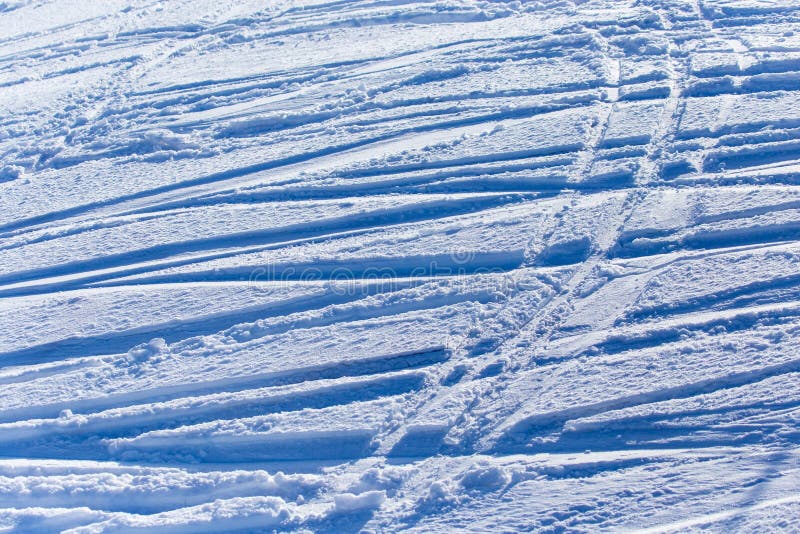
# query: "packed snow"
399,265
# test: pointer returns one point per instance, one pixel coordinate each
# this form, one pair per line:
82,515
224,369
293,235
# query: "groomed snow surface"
397,265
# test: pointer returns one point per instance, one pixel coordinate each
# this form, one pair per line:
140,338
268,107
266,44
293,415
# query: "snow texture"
382,266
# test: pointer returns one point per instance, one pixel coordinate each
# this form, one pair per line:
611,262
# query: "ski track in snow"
399,266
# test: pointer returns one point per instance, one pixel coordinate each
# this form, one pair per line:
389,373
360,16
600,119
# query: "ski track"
399,266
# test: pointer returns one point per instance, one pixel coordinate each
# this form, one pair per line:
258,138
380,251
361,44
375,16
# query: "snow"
347,502
418,266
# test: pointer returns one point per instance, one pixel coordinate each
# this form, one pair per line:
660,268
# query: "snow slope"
398,265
